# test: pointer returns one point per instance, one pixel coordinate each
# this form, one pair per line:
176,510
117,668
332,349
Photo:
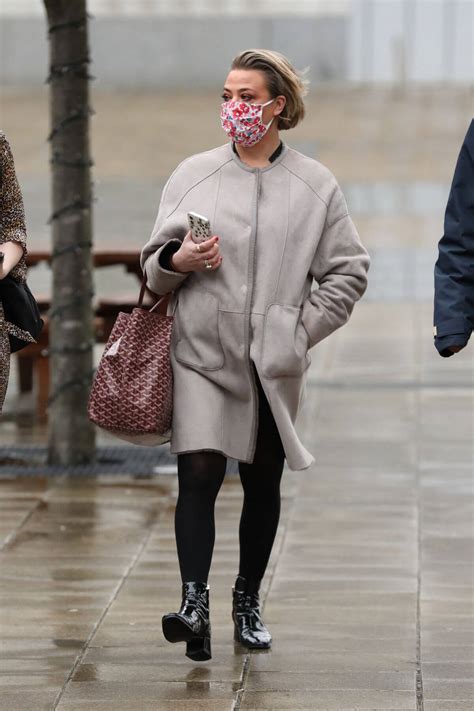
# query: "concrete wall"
376,41
177,52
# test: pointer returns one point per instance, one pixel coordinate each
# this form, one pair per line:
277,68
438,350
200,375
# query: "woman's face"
250,85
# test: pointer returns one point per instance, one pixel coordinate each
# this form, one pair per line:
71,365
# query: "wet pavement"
368,593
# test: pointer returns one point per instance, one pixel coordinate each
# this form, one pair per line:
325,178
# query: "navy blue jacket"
454,270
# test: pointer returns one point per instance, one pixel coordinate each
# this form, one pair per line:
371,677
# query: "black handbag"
20,309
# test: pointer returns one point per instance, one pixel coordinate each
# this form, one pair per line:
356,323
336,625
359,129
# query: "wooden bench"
109,309
33,360
33,365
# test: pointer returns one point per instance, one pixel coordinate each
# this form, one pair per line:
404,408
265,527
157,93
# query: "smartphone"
200,227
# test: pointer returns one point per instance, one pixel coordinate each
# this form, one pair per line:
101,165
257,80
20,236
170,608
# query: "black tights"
200,476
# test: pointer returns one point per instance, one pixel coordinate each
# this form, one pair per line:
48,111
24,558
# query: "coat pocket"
197,319
285,342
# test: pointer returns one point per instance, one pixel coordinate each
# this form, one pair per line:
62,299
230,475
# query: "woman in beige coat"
247,313
12,249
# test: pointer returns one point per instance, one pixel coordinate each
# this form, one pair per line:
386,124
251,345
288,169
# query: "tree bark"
71,434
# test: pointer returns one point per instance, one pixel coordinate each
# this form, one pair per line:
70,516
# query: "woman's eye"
244,97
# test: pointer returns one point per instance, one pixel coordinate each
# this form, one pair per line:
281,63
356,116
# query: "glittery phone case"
200,227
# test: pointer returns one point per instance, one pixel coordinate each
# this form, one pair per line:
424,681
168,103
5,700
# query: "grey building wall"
177,52
375,41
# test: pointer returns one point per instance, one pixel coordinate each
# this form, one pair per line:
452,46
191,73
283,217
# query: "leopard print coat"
12,229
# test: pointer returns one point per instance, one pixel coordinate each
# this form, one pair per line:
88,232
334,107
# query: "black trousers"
200,476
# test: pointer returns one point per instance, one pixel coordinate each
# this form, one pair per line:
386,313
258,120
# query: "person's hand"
455,349
189,258
12,253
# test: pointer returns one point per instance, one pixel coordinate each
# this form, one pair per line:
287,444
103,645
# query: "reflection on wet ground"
31,460
368,590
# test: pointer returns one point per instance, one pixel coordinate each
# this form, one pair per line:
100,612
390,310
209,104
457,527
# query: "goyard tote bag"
132,391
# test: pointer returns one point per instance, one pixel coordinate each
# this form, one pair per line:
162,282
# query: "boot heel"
236,634
199,649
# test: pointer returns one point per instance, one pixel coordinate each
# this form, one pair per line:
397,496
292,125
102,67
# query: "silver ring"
207,263
198,247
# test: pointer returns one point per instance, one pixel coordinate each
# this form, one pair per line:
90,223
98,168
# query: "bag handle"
161,305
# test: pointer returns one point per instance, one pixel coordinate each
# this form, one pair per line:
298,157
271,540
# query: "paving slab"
448,689
26,700
448,653
447,705
331,699
316,680
448,670
147,704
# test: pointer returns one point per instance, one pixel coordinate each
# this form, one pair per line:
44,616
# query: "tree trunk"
71,434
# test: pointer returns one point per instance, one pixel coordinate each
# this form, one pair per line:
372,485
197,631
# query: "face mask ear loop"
269,124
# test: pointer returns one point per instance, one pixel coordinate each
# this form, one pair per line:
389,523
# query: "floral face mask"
243,121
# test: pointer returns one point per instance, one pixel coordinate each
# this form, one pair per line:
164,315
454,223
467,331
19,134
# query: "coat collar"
250,169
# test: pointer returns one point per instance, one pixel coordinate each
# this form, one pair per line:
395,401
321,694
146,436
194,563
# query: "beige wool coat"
293,268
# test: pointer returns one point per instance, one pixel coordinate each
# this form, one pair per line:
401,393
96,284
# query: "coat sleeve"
166,238
340,267
12,212
454,269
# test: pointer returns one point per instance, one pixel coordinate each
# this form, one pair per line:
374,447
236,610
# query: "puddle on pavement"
86,672
68,643
26,536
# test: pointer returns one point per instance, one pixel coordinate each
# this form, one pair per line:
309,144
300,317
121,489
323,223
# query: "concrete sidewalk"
368,593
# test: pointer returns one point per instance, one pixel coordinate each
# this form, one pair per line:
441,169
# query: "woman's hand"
189,258
13,252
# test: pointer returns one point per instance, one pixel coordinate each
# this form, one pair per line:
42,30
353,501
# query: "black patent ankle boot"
249,628
191,624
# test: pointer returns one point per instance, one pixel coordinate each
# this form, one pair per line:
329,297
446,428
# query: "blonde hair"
282,79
